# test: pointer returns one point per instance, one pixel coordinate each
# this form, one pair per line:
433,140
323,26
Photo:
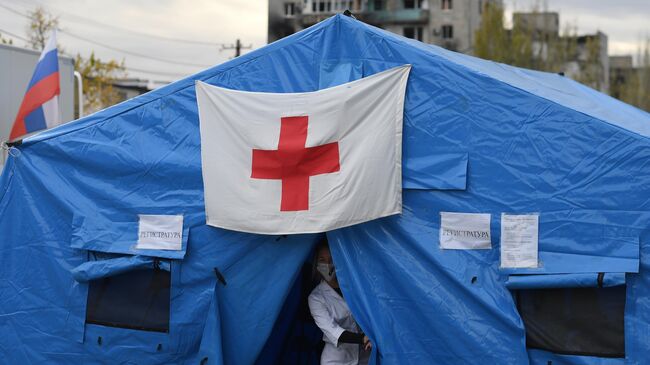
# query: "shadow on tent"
295,339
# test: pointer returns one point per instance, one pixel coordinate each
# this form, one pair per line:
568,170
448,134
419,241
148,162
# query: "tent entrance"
295,339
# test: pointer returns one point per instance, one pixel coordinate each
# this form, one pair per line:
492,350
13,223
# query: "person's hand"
367,345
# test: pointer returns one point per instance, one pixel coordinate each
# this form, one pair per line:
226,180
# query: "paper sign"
465,231
160,232
519,238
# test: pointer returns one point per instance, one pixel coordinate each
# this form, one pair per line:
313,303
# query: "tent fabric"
478,137
97,269
581,280
116,233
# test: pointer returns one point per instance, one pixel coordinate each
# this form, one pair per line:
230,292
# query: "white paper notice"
519,238
465,231
160,232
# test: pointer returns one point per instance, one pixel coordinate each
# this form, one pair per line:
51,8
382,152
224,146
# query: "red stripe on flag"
38,94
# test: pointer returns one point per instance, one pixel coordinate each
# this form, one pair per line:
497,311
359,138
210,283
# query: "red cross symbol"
294,164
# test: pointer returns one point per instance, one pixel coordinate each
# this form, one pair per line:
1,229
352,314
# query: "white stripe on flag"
51,44
51,112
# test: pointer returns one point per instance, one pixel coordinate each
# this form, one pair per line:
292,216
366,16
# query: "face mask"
327,271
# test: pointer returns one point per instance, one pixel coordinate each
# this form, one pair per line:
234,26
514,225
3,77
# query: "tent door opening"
295,339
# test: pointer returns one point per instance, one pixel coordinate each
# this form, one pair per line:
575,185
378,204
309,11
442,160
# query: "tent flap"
439,171
97,233
93,270
586,241
581,280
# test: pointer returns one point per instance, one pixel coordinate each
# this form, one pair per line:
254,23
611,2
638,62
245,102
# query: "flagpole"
80,94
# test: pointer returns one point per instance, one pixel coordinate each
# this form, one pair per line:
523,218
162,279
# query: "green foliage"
577,57
592,72
98,77
492,41
633,85
523,45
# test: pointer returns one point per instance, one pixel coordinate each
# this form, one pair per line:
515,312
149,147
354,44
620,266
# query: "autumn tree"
632,85
492,40
525,44
642,98
592,72
98,77
40,26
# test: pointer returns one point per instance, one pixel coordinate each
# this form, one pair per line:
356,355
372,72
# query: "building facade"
448,23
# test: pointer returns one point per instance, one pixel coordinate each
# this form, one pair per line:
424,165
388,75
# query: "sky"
152,36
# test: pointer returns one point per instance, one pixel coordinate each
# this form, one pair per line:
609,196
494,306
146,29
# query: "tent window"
137,299
575,321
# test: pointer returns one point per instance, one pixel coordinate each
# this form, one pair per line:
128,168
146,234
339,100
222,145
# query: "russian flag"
40,107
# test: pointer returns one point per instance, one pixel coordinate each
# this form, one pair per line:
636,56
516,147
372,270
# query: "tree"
525,45
592,71
98,77
643,91
632,85
40,26
491,41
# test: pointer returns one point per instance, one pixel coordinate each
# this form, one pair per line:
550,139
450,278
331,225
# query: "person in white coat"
345,344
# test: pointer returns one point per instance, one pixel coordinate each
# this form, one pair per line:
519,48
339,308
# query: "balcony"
375,17
401,16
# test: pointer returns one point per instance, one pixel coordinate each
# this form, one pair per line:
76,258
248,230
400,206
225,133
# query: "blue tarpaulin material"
97,269
478,137
579,280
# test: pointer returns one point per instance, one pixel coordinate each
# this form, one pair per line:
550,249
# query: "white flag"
303,162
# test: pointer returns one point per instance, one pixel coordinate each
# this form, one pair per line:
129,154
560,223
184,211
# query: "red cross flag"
303,162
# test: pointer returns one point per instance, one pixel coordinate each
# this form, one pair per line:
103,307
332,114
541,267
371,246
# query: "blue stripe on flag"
45,67
35,121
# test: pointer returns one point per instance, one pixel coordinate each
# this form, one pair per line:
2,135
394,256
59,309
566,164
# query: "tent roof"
555,88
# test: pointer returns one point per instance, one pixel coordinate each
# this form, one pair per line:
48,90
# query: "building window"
447,5
447,32
413,4
413,33
137,299
289,9
574,321
379,4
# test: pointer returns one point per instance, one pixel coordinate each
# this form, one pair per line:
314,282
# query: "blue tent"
478,137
